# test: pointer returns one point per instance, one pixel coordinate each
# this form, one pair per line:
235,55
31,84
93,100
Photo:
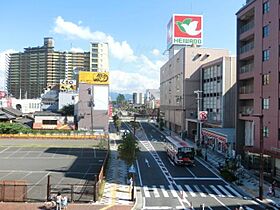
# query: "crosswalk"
190,191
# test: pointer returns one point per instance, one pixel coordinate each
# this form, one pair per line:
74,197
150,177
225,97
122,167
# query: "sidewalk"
249,181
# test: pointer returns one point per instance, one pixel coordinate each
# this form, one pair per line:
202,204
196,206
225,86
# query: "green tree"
14,128
67,110
120,99
128,149
118,124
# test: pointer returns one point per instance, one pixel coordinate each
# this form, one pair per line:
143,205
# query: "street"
167,186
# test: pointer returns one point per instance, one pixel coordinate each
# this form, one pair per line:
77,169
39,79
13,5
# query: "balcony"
246,27
246,110
247,47
246,68
248,89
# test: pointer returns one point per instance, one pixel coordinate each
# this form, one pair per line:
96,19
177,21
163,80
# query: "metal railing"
246,27
246,68
247,47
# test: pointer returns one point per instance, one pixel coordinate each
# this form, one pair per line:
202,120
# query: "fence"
15,190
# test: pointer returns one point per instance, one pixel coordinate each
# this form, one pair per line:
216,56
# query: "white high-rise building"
99,57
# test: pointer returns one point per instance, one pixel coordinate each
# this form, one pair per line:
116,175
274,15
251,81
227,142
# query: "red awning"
214,135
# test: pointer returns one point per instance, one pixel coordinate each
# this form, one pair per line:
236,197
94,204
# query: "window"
265,55
265,31
265,131
265,103
266,7
265,79
49,122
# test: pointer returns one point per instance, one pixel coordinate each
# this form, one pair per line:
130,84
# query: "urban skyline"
132,55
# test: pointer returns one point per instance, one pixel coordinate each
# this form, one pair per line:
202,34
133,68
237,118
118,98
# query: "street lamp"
198,126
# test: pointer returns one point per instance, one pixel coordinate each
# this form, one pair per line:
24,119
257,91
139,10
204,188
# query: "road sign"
202,115
131,169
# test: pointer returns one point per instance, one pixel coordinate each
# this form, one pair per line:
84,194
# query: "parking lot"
70,164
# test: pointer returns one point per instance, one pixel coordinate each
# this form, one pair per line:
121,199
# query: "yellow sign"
94,78
67,85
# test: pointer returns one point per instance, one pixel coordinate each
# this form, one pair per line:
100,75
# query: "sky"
135,30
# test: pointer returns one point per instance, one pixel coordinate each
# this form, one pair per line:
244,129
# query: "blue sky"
135,30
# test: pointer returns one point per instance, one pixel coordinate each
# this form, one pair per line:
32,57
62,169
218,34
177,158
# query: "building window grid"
265,31
265,79
265,131
265,103
266,7
266,55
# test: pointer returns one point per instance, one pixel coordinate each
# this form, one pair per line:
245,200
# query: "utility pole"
198,125
91,108
260,116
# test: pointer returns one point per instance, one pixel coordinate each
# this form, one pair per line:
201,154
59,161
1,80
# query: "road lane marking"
216,191
139,174
190,172
197,178
234,191
173,192
182,192
164,192
146,192
155,191
5,149
220,202
225,191
199,191
190,190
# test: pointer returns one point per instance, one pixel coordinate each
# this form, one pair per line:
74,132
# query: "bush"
228,175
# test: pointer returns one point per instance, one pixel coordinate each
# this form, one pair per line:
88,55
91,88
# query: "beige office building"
179,78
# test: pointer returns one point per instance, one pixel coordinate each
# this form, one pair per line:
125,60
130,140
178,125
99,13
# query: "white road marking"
155,191
5,149
225,191
173,192
139,174
190,172
182,192
202,194
216,191
234,191
196,178
213,196
164,192
190,190
146,192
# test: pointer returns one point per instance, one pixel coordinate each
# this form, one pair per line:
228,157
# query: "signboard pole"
198,128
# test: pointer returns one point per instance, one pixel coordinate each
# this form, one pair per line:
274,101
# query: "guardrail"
56,136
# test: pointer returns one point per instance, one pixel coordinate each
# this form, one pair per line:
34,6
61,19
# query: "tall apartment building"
99,57
258,78
35,69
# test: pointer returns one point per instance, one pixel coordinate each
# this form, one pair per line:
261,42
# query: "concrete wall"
91,116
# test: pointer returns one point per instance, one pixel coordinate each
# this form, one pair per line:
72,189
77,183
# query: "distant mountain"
114,96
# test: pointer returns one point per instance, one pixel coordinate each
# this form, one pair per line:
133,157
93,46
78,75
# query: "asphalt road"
166,186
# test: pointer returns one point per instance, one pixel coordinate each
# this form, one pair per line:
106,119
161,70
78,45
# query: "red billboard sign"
185,30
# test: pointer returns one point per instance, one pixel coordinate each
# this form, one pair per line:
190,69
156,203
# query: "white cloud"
124,82
144,72
156,52
120,50
3,64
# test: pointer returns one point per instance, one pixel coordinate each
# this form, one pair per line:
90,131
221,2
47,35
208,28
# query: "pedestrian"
269,191
273,185
58,201
64,202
